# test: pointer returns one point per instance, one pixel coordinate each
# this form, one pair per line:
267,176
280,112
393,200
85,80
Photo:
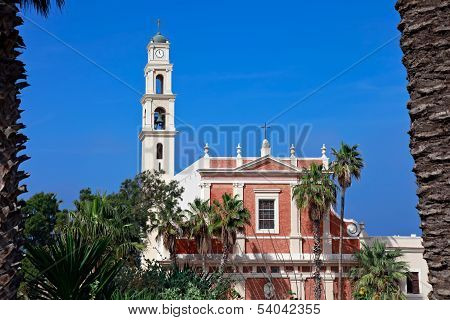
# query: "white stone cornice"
205,185
148,132
155,96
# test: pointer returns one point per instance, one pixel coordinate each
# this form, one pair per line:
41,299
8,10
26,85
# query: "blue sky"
235,63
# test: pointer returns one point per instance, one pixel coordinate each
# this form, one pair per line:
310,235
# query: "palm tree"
199,226
378,273
168,223
12,140
346,165
98,218
316,192
72,268
230,218
425,45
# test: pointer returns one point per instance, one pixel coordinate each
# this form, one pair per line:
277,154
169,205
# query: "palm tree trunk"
341,227
425,43
224,258
172,250
12,141
317,262
203,252
225,249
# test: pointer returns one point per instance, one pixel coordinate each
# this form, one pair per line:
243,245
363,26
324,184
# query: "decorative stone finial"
265,148
325,160
292,151
206,150
293,158
238,156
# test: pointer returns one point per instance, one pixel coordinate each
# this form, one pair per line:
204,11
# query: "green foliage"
95,249
41,6
347,164
158,283
378,273
41,213
72,268
43,219
316,192
200,217
161,200
230,218
85,195
97,218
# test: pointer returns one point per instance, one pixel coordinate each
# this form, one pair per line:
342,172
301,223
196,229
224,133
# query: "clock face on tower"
159,53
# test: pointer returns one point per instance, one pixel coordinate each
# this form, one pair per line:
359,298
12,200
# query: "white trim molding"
268,196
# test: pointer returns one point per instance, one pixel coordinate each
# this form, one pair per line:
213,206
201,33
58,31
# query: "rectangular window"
289,269
261,269
274,269
412,283
247,269
306,269
266,214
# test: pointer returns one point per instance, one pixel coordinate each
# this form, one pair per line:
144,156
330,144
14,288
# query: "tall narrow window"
159,151
412,283
266,214
159,119
159,84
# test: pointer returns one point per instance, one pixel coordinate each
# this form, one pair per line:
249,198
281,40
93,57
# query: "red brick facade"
292,267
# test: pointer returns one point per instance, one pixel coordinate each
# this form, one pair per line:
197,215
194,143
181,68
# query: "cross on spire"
158,23
265,127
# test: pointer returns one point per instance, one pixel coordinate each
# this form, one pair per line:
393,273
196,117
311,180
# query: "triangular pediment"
267,163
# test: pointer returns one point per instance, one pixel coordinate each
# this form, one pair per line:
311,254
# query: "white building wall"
412,250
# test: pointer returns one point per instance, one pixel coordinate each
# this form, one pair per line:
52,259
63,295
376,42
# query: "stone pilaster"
205,193
295,237
239,248
326,234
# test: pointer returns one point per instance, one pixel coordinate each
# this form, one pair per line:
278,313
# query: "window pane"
275,269
266,214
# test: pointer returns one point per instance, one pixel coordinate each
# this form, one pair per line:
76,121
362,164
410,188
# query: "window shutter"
415,283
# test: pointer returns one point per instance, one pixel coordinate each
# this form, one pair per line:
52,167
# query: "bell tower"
158,109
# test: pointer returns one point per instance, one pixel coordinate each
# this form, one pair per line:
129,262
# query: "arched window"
159,119
159,151
159,84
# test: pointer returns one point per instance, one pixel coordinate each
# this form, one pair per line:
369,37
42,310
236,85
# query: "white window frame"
268,196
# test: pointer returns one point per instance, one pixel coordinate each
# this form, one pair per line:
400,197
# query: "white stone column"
205,192
239,248
326,234
297,287
302,290
329,280
295,237
239,286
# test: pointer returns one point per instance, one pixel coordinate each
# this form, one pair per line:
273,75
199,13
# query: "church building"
273,258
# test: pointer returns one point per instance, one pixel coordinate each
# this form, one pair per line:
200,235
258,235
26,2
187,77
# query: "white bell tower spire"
158,109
